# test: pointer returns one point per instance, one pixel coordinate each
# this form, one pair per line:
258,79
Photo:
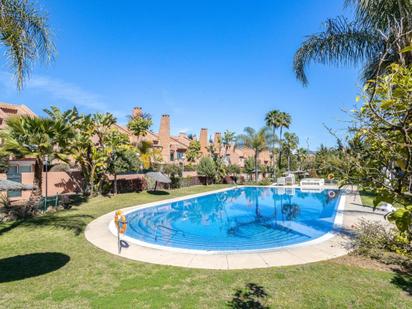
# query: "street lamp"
46,163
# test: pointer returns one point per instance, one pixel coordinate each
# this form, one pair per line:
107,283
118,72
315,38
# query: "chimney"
137,112
217,142
164,137
203,141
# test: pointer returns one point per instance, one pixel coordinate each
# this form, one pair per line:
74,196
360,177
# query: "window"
12,170
180,155
25,169
227,159
172,156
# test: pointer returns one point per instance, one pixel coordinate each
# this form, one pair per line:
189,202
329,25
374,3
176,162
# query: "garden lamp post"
46,163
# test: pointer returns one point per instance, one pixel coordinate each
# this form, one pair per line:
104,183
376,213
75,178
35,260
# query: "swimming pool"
240,219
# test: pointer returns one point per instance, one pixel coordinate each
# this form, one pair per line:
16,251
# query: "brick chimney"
137,112
164,137
217,141
203,141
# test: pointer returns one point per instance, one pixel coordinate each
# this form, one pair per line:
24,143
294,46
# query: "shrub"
375,240
132,185
207,168
233,169
189,168
175,173
264,182
371,236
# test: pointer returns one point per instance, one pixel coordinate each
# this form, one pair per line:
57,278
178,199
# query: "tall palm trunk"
288,161
280,149
38,177
36,194
273,150
115,183
256,165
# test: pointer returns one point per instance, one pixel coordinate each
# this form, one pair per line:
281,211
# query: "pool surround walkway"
101,233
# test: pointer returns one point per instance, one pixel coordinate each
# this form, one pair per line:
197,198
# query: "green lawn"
367,198
76,274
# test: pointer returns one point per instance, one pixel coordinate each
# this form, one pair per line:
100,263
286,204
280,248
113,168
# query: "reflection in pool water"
248,218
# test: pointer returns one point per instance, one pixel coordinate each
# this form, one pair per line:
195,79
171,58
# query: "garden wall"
58,183
67,183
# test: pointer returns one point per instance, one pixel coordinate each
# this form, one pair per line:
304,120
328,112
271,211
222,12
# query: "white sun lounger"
312,182
281,181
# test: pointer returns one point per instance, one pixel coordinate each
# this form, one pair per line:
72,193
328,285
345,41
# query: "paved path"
98,233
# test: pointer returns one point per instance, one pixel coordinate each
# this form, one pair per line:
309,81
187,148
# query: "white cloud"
64,91
184,130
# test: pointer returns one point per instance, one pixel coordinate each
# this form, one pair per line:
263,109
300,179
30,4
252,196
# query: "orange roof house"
9,110
173,148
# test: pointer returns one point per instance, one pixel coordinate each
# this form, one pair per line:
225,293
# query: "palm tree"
289,144
25,35
118,145
283,121
301,156
140,125
377,37
254,140
147,154
88,150
36,138
272,121
228,139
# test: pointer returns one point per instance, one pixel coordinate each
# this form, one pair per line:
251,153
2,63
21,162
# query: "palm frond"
25,34
380,13
377,66
341,42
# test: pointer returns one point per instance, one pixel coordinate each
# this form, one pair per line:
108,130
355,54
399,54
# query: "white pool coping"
102,233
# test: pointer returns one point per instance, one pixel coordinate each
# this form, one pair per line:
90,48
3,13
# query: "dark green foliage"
4,162
193,151
207,168
233,169
175,173
254,140
378,241
249,167
140,125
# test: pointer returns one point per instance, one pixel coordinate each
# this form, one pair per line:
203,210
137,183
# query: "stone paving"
98,233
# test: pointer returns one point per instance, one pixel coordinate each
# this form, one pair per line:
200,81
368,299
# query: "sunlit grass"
72,273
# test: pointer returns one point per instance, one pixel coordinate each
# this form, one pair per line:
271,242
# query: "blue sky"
215,64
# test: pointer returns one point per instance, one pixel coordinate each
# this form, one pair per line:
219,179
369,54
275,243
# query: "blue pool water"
249,218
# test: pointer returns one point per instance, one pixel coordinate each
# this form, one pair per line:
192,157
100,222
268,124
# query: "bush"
132,185
375,240
371,236
265,182
193,181
189,168
207,168
233,169
175,173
